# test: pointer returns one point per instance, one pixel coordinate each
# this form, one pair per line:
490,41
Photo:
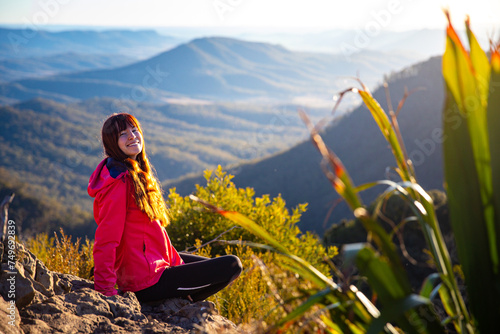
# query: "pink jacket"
129,249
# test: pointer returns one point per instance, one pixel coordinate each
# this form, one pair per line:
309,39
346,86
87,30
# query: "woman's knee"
235,264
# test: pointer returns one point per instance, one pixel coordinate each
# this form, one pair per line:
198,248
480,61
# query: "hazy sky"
314,14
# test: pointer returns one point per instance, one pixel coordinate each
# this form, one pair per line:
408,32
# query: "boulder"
9,318
50,302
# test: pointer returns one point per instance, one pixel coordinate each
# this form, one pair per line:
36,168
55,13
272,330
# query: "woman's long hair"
148,193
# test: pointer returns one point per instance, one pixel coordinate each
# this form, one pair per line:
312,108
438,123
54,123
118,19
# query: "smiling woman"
132,248
130,141
124,146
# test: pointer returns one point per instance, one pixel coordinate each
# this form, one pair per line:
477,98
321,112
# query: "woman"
131,247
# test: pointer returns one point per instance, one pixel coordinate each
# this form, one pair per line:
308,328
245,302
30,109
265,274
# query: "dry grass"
61,254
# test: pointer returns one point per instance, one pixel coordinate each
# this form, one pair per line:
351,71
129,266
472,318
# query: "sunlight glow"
313,14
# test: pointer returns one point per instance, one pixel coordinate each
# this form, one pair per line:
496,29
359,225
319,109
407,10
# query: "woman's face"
130,141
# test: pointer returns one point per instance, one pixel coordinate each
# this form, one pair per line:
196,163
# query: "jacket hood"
107,172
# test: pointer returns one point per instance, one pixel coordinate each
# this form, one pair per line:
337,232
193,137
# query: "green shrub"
190,224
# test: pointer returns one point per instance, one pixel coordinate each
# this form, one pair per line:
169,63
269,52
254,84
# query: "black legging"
198,278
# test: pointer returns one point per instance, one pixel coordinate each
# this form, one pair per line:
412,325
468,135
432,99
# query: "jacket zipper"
146,258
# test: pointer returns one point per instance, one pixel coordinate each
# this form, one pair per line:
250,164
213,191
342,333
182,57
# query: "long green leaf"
397,300
389,133
480,63
467,78
493,114
429,285
299,264
333,167
381,276
318,298
471,168
487,311
420,312
493,118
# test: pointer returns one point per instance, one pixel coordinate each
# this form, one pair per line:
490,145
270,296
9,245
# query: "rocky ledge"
37,300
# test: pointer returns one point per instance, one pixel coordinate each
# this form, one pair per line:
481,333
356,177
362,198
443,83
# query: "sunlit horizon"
241,15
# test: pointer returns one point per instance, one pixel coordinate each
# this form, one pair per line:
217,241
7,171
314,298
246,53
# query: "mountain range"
215,69
207,102
423,42
36,42
14,69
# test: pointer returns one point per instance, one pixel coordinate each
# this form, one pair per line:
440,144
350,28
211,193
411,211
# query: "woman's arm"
112,215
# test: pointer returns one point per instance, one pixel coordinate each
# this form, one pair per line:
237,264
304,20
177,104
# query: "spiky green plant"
472,169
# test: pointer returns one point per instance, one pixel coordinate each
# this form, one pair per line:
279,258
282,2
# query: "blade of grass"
397,300
389,133
318,298
337,174
429,284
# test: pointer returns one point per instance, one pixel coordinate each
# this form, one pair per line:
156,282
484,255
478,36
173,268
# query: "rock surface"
50,302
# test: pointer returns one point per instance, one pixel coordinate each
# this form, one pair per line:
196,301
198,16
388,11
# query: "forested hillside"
54,147
38,212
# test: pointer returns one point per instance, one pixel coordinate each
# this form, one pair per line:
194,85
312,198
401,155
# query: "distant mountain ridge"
23,43
18,69
296,173
424,42
218,69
